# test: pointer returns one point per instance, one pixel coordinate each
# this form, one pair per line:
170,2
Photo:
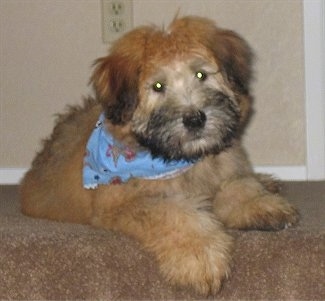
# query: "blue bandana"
109,162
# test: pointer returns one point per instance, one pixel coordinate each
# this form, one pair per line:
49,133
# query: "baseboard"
292,173
12,176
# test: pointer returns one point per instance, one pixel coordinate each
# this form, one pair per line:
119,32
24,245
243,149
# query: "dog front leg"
189,244
245,203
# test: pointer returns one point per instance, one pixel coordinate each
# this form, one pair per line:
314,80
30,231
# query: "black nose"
194,119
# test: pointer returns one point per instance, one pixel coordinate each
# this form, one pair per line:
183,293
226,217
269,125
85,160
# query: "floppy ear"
236,58
115,80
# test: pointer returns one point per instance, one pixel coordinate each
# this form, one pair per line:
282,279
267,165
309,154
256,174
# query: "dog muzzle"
107,161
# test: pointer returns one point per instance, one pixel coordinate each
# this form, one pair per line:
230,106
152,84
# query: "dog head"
182,92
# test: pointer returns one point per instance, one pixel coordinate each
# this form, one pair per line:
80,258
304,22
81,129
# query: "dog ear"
236,58
116,77
115,81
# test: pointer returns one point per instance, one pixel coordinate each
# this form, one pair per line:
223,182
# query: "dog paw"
277,214
268,212
199,266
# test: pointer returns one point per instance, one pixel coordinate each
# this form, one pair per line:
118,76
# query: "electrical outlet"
117,18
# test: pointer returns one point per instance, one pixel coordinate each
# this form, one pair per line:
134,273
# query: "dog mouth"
189,146
217,135
190,133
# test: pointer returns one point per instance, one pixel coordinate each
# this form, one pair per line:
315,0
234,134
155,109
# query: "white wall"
47,48
314,28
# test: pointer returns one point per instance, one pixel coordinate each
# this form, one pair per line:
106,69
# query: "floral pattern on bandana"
109,162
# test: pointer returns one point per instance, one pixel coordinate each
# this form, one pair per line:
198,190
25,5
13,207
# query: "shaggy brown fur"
199,112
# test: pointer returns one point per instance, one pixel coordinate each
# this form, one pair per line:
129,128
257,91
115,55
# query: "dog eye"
158,87
201,75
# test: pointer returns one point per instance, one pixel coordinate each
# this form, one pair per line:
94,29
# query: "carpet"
42,260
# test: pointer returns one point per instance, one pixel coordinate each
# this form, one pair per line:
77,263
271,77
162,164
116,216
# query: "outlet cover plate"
117,19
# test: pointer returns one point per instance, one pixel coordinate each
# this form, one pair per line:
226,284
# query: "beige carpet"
40,259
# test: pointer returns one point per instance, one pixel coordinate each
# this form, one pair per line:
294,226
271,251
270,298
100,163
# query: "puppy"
157,154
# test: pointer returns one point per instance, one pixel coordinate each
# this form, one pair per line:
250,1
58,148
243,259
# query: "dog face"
181,93
186,110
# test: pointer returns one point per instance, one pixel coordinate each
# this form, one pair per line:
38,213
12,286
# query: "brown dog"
177,99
